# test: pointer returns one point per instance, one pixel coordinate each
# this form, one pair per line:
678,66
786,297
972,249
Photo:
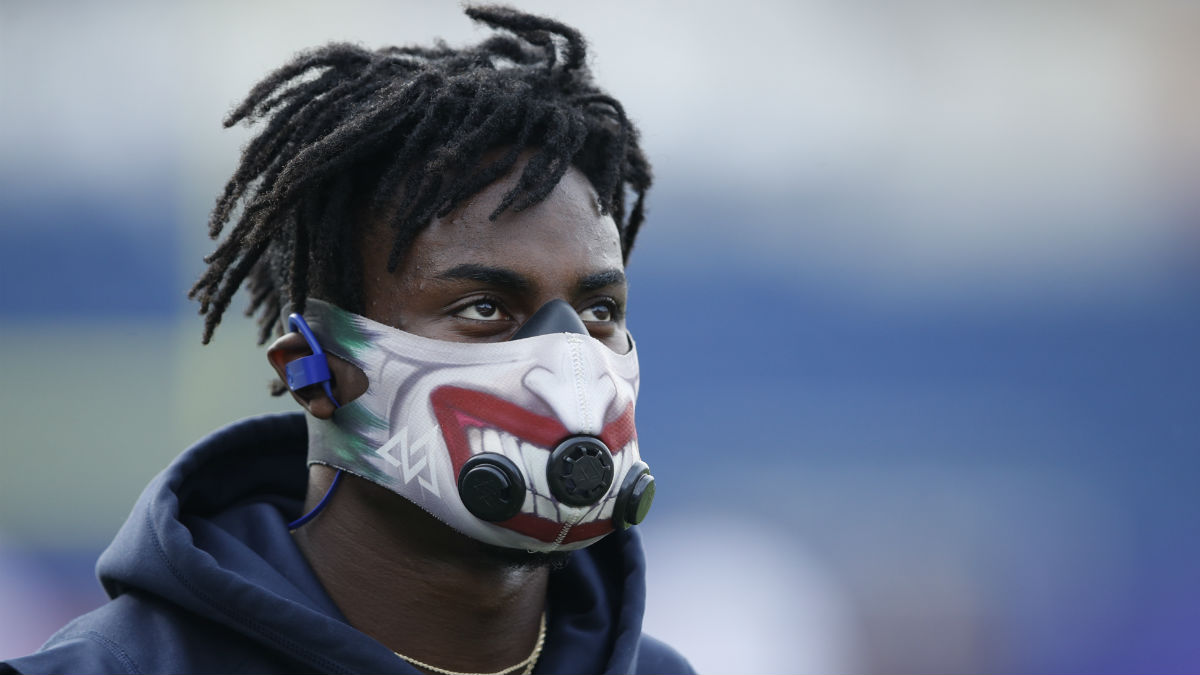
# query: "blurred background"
917,308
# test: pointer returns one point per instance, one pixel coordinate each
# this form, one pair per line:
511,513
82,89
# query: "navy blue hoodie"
204,577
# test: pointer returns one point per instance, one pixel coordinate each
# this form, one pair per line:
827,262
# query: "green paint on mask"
359,418
346,332
348,449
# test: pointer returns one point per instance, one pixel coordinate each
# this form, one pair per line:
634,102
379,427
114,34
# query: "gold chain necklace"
528,664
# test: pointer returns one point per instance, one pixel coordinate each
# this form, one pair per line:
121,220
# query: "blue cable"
320,505
303,372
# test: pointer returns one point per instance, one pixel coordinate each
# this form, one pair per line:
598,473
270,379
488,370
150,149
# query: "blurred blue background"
916,306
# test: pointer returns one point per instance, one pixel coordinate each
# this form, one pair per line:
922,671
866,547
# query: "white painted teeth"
527,507
484,439
545,508
511,448
491,441
535,467
607,509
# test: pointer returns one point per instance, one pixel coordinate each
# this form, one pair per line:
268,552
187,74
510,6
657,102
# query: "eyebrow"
598,280
504,278
493,276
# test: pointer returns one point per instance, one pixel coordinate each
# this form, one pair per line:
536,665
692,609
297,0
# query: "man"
448,231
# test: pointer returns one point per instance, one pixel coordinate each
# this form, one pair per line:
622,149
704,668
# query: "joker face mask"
527,444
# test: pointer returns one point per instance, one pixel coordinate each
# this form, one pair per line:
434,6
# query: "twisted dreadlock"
401,134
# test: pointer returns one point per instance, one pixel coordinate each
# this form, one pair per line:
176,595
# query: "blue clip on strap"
309,370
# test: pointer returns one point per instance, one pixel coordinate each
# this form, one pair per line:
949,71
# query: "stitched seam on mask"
562,534
580,390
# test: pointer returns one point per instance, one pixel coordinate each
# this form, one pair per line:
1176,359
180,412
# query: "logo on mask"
408,468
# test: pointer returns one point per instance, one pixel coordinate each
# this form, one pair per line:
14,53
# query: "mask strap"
303,372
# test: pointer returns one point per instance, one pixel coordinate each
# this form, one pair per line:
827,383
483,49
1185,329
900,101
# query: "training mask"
526,444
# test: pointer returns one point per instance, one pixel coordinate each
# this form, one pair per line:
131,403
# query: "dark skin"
398,574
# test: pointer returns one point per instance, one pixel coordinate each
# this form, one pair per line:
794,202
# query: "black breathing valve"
635,497
491,487
580,471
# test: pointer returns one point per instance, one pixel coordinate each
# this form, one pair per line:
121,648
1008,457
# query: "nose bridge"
574,385
556,316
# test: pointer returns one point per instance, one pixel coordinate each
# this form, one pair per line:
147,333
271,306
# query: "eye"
482,310
601,312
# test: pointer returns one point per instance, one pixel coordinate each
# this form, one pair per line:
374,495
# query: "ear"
348,382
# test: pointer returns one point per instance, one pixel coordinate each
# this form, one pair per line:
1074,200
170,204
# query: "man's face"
468,279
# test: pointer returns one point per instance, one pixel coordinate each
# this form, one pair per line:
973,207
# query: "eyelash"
459,308
613,308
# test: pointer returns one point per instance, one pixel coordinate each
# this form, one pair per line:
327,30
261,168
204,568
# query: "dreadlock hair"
400,135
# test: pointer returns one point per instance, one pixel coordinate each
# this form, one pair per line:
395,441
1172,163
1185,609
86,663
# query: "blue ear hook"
309,370
304,372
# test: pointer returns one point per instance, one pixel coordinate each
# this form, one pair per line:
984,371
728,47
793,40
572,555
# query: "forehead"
564,234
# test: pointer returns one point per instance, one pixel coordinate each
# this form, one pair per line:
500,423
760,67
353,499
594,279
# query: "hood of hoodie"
209,537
